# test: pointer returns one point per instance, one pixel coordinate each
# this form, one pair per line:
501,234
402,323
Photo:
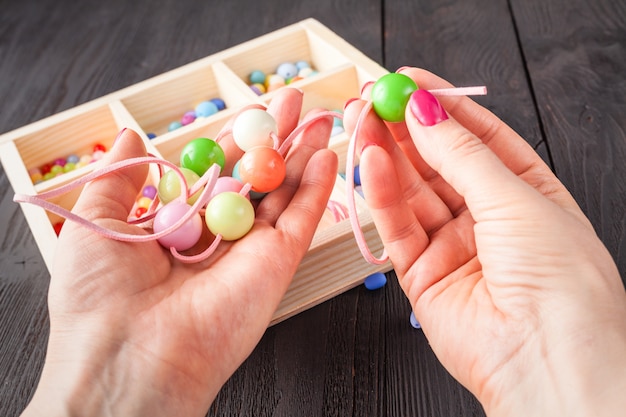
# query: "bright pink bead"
185,236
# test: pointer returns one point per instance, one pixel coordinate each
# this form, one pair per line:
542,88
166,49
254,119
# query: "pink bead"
224,184
184,237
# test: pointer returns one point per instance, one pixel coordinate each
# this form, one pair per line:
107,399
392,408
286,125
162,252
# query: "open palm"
177,331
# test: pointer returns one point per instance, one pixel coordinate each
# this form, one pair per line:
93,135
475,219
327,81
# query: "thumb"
464,161
113,195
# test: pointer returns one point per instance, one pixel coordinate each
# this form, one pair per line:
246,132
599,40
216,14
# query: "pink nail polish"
426,108
119,135
367,84
350,100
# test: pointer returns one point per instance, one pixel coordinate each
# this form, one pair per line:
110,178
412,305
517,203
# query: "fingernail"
350,100
297,89
121,132
426,108
367,84
402,69
367,145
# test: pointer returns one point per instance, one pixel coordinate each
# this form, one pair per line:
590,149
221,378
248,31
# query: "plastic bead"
99,147
184,237
263,168
230,215
73,158
188,118
390,95
200,154
149,191
287,70
257,77
219,103
302,64
252,128
414,322
357,175
375,281
224,184
206,109
174,125
169,187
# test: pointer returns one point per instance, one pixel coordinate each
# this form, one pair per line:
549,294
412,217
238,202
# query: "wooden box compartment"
333,263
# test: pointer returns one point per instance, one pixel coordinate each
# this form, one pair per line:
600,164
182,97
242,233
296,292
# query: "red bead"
99,147
57,227
263,168
140,211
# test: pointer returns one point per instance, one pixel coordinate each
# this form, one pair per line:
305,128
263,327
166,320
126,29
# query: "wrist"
581,375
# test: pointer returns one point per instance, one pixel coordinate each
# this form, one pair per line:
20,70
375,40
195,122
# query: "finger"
489,187
509,147
400,230
312,139
429,209
113,195
286,107
300,218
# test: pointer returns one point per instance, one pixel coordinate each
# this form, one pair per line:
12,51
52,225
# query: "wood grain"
554,71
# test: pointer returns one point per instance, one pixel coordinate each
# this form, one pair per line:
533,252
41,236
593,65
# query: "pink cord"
208,181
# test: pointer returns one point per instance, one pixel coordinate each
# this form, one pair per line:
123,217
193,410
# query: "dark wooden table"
555,71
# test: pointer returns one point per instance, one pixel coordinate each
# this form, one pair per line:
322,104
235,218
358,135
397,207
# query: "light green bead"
229,214
169,186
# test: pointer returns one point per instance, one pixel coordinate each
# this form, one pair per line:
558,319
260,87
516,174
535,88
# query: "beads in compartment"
285,74
202,110
65,164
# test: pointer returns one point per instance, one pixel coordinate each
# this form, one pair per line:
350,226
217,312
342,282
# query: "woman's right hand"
517,295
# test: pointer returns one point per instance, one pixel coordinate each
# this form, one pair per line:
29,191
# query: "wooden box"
333,263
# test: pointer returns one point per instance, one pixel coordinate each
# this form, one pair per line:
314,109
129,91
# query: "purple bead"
149,191
414,321
184,237
59,161
188,118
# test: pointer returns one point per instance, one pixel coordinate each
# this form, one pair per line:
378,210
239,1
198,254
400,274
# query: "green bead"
390,95
229,214
200,154
169,186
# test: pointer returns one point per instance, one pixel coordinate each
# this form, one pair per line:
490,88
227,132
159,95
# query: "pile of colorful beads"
285,74
65,164
203,109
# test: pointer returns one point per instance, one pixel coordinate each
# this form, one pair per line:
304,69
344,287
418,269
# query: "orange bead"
263,168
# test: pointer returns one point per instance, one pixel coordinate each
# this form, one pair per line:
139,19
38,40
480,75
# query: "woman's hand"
134,332
517,295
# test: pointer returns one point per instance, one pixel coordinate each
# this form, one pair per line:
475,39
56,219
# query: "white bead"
253,128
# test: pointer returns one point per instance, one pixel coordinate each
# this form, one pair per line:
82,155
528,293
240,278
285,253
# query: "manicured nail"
426,108
119,135
402,69
367,84
350,100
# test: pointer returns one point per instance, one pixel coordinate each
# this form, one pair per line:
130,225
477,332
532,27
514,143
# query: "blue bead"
73,159
219,103
375,281
287,70
302,64
151,135
174,126
357,175
206,109
414,321
257,77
